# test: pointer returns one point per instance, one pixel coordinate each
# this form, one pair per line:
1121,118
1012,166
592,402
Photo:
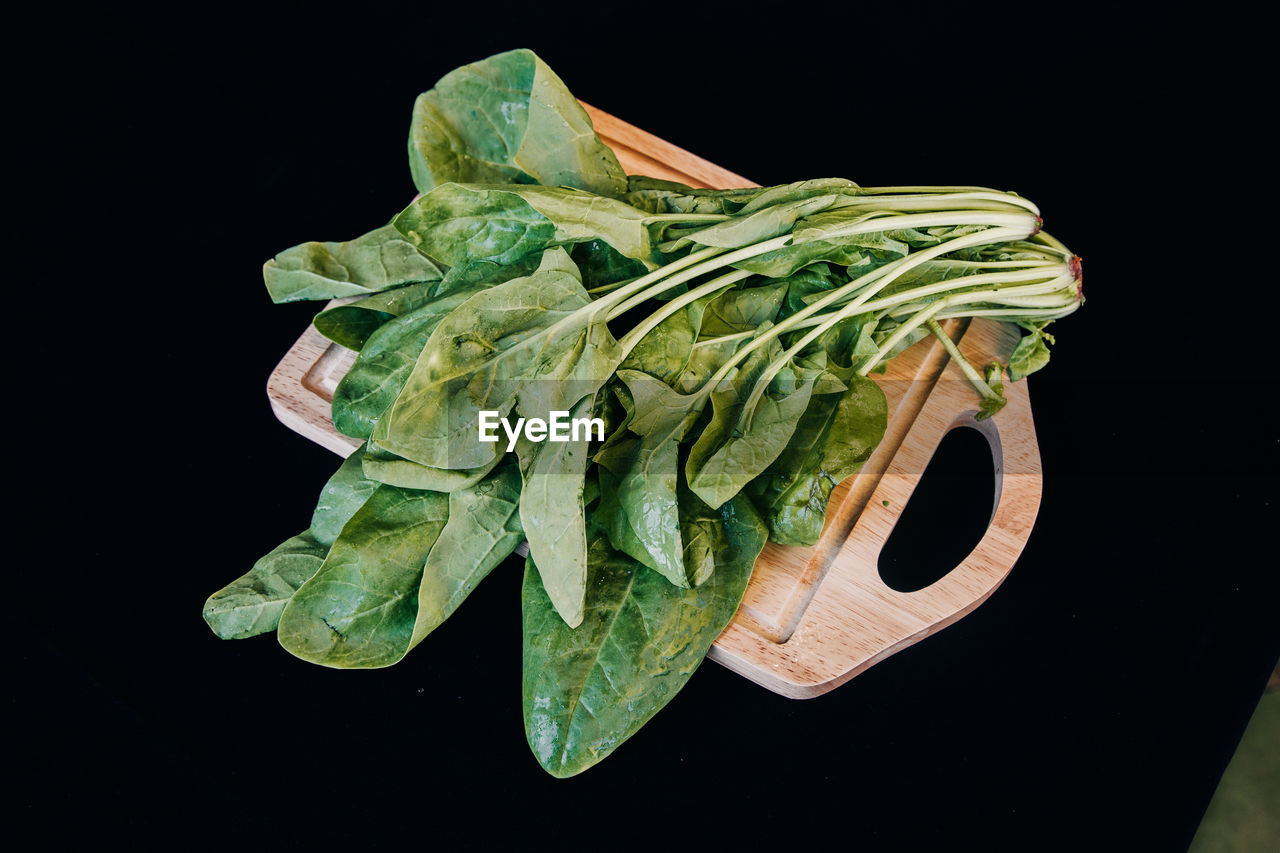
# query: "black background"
1094,700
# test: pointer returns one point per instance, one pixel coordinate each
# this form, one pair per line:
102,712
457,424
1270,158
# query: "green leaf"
812,242
508,119
799,191
385,363
643,475
811,282
1031,354
402,565
588,689
886,327
351,325
385,467
601,264
252,604
482,531
834,437
654,195
992,404
377,261
704,361
553,515
664,352
358,610
738,444
460,224
743,230
610,515
642,491
526,345
344,493
476,275
702,531
742,310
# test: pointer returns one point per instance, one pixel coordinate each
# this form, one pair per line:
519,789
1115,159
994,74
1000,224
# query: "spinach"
739,443
344,493
664,353
601,265
252,604
358,610
753,227
482,531
385,363
508,119
835,435
588,689
501,223
640,475
371,263
386,467
525,341
1031,353
723,337
351,325
553,514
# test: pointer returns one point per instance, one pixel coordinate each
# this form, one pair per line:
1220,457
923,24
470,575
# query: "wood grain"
813,617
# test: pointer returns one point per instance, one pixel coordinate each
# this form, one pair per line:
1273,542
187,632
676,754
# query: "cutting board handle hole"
947,515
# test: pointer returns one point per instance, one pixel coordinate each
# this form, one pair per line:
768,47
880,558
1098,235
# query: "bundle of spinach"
723,337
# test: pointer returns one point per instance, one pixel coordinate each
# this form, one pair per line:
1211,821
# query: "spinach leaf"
884,329
743,309
588,689
385,363
252,604
834,437
664,352
704,361
358,611
642,476
656,195
1031,353
601,264
523,342
402,565
610,514
553,515
480,274
351,325
373,262
702,531
755,227
646,519
463,223
508,119
482,531
861,253
738,444
386,467
344,493
799,191
811,282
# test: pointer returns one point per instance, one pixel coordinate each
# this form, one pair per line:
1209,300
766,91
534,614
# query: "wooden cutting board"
813,617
